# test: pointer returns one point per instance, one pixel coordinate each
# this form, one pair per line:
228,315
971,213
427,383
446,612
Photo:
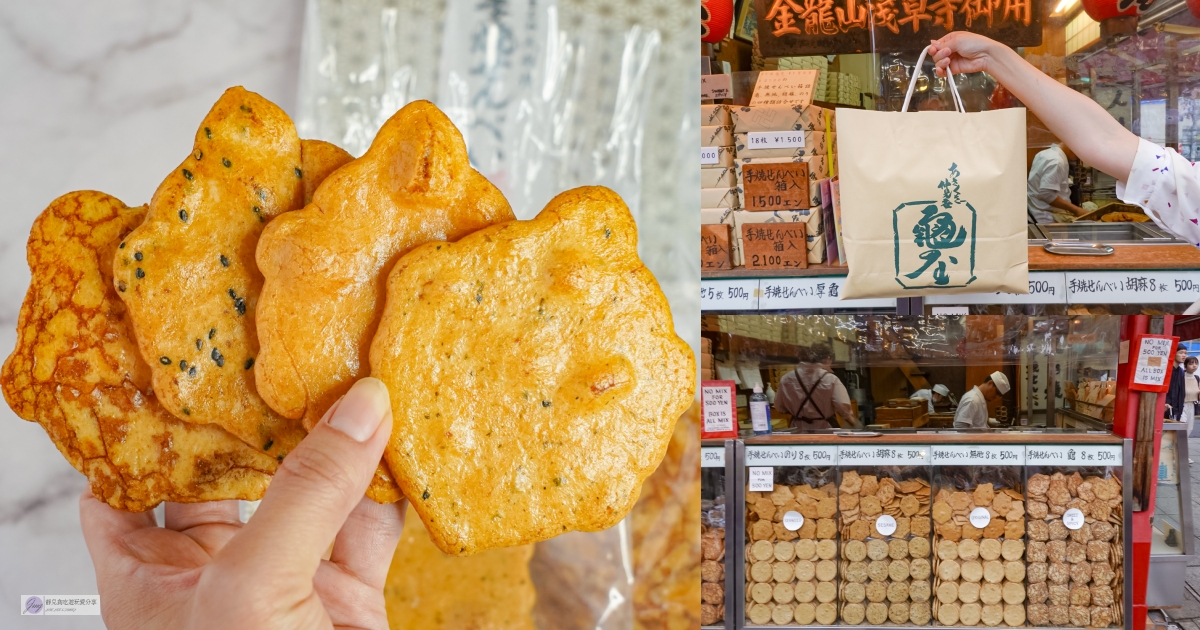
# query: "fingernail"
362,409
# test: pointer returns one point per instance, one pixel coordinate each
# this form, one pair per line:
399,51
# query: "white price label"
980,518
979,455
812,293
1073,518
1154,361
775,140
715,86
1073,455
709,155
1044,288
791,455
883,455
1132,287
793,521
762,479
886,525
712,457
729,295
720,412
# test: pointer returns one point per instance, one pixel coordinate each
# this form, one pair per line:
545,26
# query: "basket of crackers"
979,547
791,549
885,546
1076,547
712,546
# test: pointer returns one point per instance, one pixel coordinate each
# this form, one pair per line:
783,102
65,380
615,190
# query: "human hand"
205,569
962,52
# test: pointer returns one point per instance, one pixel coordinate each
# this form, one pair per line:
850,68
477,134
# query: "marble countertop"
105,95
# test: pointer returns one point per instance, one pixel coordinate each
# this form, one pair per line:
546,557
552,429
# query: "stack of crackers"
790,574
1075,576
886,575
712,574
979,571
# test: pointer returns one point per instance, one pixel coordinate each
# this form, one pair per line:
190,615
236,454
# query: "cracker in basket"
535,375
77,372
188,275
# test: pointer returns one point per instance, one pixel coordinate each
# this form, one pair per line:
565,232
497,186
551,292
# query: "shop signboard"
817,292
732,294
718,409
788,28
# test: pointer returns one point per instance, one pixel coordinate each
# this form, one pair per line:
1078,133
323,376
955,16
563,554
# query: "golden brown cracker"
429,590
76,371
188,276
534,373
319,159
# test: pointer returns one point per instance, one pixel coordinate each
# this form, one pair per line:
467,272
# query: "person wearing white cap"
937,396
972,410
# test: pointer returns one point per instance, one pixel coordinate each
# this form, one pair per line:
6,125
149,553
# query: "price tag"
791,455
762,479
793,521
1073,518
775,245
784,87
1133,287
729,295
714,246
980,518
950,310
710,155
1044,288
979,455
885,525
715,87
1154,361
812,293
883,455
718,408
712,457
775,140
1073,455
776,186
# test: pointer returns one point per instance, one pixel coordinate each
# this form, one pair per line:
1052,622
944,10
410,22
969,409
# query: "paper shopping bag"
933,202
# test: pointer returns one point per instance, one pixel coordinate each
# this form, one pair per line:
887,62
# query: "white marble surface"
105,95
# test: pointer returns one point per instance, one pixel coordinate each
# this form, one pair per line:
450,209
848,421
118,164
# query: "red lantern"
716,16
1194,7
1101,10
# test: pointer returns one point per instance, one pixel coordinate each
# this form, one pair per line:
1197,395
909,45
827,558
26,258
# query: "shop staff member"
1049,186
812,394
935,397
972,409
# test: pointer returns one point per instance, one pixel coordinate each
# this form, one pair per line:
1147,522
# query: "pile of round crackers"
712,563
886,577
1075,576
979,572
790,575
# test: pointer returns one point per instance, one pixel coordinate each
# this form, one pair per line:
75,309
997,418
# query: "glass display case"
1172,543
716,593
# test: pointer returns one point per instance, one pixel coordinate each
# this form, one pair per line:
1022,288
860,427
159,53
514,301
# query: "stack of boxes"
843,89
820,63
718,181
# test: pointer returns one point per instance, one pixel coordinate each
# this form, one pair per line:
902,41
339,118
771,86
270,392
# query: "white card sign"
716,87
762,479
720,411
979,455
784,87
1073,455
819,292
903,455
1044,288
791,455
712,457
1154,361
729,295
710,155
775,140
1133,287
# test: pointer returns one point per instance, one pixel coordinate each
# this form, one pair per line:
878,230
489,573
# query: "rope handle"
912,83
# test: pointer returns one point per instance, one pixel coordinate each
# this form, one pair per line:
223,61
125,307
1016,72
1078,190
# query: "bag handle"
912,83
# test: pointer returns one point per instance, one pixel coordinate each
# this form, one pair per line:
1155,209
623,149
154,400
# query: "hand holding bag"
933,202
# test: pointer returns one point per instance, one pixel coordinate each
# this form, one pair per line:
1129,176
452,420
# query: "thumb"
317,486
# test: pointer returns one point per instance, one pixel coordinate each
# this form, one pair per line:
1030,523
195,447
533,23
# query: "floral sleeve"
1167,187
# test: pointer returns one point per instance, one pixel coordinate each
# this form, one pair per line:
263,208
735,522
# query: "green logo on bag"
935,241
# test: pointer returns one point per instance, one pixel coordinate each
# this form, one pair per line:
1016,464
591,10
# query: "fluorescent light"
1064,6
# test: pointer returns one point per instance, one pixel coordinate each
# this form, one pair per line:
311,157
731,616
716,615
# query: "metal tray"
1078,249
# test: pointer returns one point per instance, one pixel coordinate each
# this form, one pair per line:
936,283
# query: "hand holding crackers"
178,352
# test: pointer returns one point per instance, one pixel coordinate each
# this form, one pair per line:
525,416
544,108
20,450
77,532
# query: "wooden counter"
1126,257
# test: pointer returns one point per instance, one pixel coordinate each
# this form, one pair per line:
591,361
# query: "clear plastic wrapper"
712,546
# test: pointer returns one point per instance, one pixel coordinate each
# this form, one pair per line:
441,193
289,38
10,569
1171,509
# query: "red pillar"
1125,418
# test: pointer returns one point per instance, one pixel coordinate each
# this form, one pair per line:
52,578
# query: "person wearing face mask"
936,396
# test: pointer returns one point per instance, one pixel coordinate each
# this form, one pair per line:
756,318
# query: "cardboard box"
716,136
814,144
706,375
720,198
724,157
718,177
706,361
777,118
811,218
714,115
706,345
818,165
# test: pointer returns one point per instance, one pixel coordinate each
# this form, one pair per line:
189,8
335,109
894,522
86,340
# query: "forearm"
1063,204
1090,131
